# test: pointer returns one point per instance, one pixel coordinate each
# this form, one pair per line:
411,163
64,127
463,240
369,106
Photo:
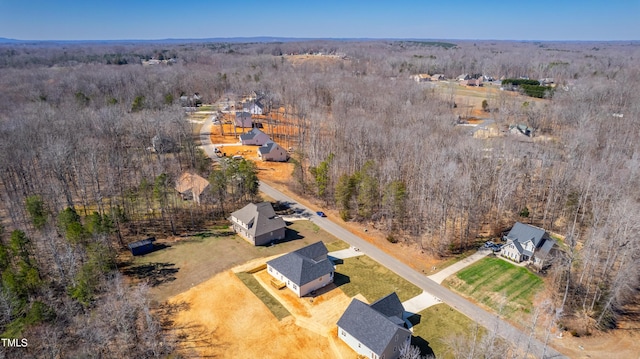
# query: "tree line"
78,178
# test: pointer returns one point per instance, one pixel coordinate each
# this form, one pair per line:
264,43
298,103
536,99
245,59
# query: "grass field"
437,323
336,245
498,284
365,276
179,264
272,303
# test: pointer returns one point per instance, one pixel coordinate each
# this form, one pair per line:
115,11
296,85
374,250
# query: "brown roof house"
258,223
304,270
191,186
271,151
375,331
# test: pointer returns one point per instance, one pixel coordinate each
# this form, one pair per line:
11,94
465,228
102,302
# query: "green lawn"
365,276
437,323
500,285
177,266
337,245
272,303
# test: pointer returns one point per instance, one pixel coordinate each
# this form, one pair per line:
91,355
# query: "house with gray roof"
526,243
243,119
258,223
375,331
254,107
271,151
304,270
254,137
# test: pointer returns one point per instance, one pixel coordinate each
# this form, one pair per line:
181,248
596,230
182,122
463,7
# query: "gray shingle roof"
390,306
545,249
250,135
260,218
523,232
370,327
267,147
305,264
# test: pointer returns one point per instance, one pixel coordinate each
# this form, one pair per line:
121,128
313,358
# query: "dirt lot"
223,310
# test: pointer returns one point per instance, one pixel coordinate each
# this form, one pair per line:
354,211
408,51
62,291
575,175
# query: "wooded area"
79,179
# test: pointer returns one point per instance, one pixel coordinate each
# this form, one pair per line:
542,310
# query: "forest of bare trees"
78,180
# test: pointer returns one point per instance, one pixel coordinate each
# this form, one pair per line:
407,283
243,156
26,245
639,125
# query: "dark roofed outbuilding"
144,246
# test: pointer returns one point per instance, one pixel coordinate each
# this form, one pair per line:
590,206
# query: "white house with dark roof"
254,137
258,223
253,107
271,151
375,331
527,243
243,119
304,270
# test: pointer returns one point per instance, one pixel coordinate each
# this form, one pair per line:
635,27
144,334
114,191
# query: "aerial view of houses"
526,243
258,223
271,151
320,180
376,331
304,270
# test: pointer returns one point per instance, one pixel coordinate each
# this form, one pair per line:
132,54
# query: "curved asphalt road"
481,316
484,318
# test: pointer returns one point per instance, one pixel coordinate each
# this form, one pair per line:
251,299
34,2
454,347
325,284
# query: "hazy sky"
442,19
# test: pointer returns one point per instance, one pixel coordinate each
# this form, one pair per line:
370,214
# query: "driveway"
420,303
346,253
454,268
479,315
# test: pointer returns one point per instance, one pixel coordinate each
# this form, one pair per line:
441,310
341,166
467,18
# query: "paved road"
481,316
484,318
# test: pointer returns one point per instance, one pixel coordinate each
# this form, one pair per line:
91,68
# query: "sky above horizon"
548,20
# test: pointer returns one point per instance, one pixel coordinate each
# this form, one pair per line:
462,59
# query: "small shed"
144,246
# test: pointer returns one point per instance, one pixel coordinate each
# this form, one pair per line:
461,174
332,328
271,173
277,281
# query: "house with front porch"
526,243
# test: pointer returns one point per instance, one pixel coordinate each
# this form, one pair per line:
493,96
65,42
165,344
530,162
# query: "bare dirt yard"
222,318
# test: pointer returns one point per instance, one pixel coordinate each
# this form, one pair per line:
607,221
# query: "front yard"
506,288
363,275
180,263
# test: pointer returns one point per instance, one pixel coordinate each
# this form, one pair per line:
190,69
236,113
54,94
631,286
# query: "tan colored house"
191,186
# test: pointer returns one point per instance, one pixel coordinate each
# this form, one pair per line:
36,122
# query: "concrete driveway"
346,253
452,269
420,303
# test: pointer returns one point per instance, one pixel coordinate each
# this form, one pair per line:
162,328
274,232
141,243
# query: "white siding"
354,344
316,284
305,289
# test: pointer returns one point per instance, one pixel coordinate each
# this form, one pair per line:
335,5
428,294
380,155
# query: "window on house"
343,333
320,279
394,349
359,346
295,287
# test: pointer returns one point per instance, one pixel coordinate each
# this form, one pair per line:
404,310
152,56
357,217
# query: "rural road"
481,316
